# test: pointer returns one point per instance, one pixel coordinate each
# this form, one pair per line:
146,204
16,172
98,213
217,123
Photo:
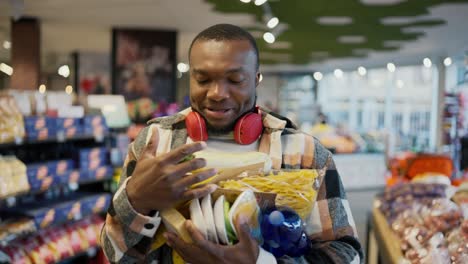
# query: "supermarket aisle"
361,204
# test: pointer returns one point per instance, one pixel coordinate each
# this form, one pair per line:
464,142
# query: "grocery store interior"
382,84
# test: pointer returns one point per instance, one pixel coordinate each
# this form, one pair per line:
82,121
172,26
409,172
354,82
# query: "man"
223,77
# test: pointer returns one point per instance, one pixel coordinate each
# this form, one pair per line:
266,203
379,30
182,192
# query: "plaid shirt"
127,235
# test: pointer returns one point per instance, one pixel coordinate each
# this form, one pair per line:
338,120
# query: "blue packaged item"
44,184
94,164
89,154
102,172
32,123
284,233
97,203
94,120
63,123
41,134
59,167
38,171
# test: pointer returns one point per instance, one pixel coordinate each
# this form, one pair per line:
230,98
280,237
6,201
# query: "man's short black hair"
221,32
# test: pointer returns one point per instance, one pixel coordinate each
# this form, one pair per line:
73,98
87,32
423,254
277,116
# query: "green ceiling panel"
307,36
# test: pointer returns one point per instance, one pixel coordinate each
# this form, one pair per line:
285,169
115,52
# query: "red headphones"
248,128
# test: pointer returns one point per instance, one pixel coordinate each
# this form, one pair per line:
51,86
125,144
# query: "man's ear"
257,79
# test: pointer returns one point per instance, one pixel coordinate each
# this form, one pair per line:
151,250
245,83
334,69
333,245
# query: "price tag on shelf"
11,201
91,252
19,140
61,136
99,137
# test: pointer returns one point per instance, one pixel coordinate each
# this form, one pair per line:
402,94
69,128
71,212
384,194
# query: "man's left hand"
205,251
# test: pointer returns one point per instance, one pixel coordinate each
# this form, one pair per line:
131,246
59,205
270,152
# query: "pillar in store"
25,53
437,108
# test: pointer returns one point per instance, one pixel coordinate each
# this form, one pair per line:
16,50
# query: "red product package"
77,244
16,255
38,252
87,232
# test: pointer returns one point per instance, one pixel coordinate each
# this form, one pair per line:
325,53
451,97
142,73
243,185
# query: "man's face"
223,78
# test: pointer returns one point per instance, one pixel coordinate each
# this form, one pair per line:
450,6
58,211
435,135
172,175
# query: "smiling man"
224,74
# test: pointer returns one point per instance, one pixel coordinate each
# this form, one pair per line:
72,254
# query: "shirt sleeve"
330,225
127,235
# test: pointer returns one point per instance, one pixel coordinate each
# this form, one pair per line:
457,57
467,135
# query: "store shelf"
91,253
11,198
59,139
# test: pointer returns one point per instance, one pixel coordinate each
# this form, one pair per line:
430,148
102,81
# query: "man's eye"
235,81
205,81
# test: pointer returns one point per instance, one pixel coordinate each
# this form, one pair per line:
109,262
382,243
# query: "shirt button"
149,226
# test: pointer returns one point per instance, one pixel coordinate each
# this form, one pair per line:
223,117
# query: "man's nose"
218,92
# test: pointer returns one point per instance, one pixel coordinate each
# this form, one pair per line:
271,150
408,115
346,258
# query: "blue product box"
97,174
70,210
59,167
44,184
97,203
38,171
71,176
63,123
94,120
93,153
41,134
38,122
92,164
97,130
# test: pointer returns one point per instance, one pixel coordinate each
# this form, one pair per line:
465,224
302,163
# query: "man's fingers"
176,155
200,240
188,166
177,244
199,192
188,181
243,230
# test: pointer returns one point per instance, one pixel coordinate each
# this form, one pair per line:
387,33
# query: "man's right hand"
161,182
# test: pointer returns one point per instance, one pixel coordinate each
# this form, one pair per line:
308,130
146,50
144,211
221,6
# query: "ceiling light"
273,22
269,37
245,1
183,67
318,76
352,39
391,67
259,2
427,62
5,68
382,2
42,88
338,73
335,20
400,84
260,78
6,44
64,71
362,71
448,61
69,89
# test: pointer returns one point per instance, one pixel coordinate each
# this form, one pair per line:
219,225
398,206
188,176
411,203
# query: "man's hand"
162,182
205,251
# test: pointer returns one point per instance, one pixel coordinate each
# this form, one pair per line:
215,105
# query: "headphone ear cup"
196,127
248,129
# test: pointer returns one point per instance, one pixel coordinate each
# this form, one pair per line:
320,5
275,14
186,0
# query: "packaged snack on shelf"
16,227
36,123
38,171
63,123
97,174
41,134
76,242
13,178
16,254
37,251
60,167
96,203
87,232
11,120
91,158
44,184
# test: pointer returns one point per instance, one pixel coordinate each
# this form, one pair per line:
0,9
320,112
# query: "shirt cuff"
265,257
129,217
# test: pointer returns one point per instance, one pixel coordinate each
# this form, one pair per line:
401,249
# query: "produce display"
430,227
